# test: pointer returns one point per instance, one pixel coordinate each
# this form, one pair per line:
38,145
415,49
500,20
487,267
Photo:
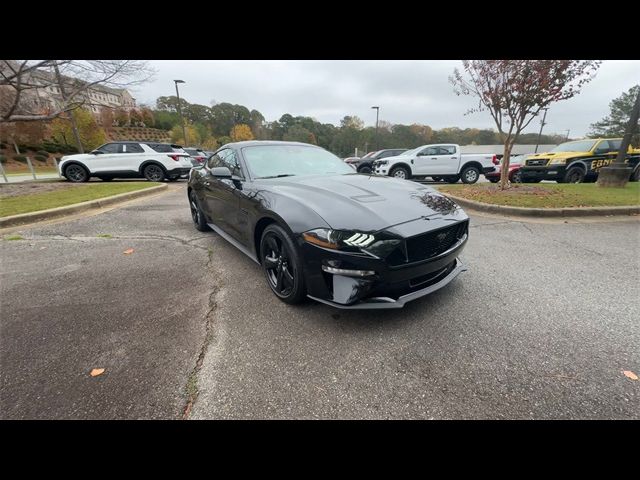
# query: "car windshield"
368,155
581,146
269,161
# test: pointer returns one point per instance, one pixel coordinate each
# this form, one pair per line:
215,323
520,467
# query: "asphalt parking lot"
541,326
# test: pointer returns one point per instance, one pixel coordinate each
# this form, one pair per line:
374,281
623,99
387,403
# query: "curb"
544,212
24,218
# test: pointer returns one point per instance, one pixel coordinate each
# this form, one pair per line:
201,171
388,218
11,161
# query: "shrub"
3,159
20,158
44,153
41,158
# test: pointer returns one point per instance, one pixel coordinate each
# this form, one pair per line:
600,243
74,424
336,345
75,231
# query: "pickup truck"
440,161
578,161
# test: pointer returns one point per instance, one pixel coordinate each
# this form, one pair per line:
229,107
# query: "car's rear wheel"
452,178
470,175
153,173
76,173
196,213
400,172
282,265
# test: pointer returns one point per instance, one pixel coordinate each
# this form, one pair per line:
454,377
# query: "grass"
74,194
549,195
104,235
14,237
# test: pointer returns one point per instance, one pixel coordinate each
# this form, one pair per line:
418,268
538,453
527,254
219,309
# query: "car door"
130,159
220,197
425,161
103,159
235,216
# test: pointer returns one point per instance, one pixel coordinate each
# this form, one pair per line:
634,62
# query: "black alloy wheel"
153,173
196,213
76,173
281,264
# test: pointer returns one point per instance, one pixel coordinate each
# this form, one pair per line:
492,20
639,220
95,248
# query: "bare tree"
515,91
20,81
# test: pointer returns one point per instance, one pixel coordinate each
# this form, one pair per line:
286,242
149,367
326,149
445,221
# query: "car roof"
252,143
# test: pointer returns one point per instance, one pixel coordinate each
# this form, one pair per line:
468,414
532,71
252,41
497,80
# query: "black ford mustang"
321,230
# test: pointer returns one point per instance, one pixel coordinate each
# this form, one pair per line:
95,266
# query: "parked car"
365,165
579,161
199,156
320,230
150,160
515,163
442,161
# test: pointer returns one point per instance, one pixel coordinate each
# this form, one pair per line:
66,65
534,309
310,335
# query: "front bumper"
390,287
547,172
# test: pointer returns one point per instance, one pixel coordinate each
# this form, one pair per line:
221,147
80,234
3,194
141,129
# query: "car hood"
405,158
362,202
79,156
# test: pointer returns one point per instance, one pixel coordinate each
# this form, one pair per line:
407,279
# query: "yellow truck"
578,161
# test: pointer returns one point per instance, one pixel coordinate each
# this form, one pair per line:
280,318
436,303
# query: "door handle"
434,158
454,158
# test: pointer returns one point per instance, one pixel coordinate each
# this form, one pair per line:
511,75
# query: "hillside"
139,134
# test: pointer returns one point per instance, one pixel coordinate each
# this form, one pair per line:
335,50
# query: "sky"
407,91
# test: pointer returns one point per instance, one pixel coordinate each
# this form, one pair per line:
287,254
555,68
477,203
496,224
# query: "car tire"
400,172
493,180
153,173
470,175
196,213
436,179
451,178
365,170
76,173
516,177
282,265
574,175
106,179
635,176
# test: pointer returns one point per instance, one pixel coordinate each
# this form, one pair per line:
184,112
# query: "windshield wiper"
279,176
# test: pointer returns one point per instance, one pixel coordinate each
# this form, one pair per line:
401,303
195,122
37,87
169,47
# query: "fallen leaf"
630,374
128,251
97,371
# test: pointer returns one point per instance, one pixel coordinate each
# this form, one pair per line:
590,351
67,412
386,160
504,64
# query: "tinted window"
111,148
191,151
165,148
273,160
580,146
215,161
447,150
603,147
230,160
133,148
390,153
430,151
615,145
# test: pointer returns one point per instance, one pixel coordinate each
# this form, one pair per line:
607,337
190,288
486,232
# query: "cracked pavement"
541,326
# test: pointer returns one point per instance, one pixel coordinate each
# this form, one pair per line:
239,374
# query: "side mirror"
97,152
220,172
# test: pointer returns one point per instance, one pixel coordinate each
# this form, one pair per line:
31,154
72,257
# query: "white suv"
153,161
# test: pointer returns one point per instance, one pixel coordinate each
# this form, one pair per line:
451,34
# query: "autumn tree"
614,124
121,117
135,117
515,91
147,117
177,135
91,135
241,133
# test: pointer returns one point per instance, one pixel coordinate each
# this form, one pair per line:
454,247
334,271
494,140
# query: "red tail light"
495,160
174,157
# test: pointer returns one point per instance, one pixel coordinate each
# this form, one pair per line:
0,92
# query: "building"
47,95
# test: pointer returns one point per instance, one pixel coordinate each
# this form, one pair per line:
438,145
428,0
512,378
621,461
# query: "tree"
177,135
135,117
20,81
614,124
122,117
352,121
91,135
515,91
147,117
106,119
298,133
240,133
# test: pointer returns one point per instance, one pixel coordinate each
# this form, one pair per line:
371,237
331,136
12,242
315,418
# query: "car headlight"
380,244
558,161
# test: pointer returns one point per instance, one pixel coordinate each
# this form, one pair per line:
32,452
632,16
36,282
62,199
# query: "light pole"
184,130
567,139
377,116
542,124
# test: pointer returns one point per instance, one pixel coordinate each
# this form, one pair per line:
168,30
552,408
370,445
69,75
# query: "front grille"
434,243
537,162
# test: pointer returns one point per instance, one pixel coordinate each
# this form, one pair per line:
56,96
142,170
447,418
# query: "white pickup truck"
439,161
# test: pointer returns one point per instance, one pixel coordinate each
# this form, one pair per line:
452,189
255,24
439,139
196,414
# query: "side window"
603,147
111,148
215,161
430,151
230,160
132,148
448,150
387,154
615,145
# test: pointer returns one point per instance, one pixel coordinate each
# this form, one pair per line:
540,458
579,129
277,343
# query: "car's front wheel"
365,170
196,213
153,173
76,173
400,172
516,177
282,265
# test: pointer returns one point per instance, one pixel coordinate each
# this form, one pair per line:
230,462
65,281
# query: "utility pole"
377,116
617,174
542,124
567,139
184,130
